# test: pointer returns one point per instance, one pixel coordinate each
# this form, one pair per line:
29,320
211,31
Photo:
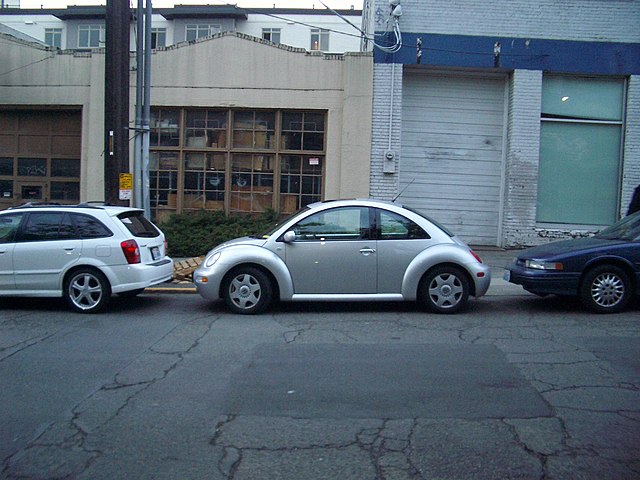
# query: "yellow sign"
126,186
126,181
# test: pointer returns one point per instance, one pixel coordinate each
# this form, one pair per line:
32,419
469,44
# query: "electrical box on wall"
389,162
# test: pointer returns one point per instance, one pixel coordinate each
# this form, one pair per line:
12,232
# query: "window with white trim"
319,39
158,38
53,37
201,30
91,36
271,34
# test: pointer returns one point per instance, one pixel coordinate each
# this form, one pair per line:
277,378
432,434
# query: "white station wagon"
83,253
345,250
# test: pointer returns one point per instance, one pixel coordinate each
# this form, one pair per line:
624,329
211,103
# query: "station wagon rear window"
138,225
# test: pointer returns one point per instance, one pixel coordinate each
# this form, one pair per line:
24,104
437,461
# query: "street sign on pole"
126,186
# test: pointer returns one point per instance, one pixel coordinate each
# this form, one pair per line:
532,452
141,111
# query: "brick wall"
523,151
591,20
387,78
631,152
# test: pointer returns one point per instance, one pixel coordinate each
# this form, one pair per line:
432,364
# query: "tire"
445,289
87,290
131,293
247,290
605,289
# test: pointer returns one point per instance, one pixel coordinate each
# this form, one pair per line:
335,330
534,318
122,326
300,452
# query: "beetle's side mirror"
289,237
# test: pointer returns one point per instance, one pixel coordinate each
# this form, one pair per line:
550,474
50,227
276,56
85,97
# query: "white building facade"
510,122
83,27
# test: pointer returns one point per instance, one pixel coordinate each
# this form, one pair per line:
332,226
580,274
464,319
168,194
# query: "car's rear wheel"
87,290
247,290
605,289
445,289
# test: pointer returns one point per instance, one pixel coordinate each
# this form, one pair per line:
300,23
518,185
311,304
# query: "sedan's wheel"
605,289
444,290
247,290
87,290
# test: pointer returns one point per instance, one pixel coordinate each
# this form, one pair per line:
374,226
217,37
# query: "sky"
335,4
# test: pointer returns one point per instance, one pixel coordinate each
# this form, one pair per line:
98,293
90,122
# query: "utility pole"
143,106
116,99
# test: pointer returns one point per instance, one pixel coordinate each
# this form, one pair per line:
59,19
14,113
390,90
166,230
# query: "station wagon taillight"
131,251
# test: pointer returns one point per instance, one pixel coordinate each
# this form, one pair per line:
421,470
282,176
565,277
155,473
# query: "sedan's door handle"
367,251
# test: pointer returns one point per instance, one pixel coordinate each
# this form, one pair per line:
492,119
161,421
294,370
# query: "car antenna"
403,190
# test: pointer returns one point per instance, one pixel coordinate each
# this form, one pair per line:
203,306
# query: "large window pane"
32,167
579,170
582,98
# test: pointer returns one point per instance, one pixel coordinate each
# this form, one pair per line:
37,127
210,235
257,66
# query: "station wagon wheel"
605,289
247,290
87,290
444,290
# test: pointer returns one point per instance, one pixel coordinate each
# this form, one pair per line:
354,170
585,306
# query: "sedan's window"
45,226
138,225
397,227
348,223
9,226
90,227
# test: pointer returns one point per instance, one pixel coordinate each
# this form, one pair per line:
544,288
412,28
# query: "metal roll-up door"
452,151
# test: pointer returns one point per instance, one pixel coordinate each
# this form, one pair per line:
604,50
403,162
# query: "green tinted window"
580,151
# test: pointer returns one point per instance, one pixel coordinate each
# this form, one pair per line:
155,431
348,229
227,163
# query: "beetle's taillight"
131,251
475,255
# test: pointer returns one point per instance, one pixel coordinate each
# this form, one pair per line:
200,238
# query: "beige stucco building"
238,123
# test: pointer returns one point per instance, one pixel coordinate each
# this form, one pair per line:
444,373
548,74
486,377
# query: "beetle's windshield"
626,229
278,224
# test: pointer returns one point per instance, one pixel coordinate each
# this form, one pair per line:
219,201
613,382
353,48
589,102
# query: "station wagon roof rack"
36,204
94,203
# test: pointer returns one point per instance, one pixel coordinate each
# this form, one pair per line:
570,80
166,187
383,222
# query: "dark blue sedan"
603,271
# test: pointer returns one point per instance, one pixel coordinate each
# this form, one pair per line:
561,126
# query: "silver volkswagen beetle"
345,250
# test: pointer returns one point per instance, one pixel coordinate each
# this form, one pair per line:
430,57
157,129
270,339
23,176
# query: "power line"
27,65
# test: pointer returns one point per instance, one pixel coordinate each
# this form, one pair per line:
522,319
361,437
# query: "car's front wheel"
247,290
605,289
87,290
445,289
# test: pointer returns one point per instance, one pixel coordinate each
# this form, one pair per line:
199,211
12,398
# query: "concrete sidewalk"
496,258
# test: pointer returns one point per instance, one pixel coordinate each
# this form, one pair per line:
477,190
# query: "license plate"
155,253
507,275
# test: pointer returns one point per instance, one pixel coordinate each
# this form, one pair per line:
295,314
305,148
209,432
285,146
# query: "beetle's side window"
397,227
348,223
9,226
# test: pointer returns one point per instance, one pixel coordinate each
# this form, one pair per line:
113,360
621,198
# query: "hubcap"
245,291
445,290
607,290
85,291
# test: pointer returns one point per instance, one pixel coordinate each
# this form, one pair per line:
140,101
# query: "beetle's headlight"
540,265
211,259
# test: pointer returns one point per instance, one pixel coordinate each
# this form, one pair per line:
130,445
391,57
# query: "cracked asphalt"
174,387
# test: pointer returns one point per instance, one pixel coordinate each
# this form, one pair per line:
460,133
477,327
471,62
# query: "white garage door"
452,147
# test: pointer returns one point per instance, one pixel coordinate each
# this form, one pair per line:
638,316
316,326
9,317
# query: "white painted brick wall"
384,186
523,152
592,20
631,152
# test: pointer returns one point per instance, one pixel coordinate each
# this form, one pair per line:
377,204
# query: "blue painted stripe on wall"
562,56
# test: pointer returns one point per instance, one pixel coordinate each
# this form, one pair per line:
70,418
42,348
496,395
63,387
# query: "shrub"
195,233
